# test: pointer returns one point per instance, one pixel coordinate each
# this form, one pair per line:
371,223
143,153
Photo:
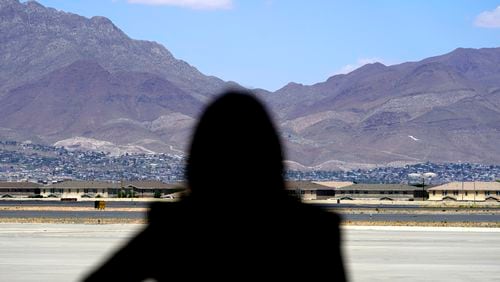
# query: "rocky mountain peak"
9,3
33,5
44,39
291,85
371,68
98,20
104,24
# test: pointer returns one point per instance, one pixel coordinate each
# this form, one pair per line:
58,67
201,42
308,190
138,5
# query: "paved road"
58,252
434,217
75,214
56,203
140,203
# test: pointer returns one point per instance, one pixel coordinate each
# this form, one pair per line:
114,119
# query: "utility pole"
462,167
462,177
422,176
423,188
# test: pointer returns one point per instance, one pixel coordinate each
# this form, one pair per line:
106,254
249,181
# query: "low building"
80,189
18,189
390,192
314,190
308,190
104,189
150,189
466,191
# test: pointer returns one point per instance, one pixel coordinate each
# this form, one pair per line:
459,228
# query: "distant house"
466,191
79,189
379,192
18,189
308,190
153,188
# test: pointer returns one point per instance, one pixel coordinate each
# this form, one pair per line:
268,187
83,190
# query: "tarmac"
386,253
66,252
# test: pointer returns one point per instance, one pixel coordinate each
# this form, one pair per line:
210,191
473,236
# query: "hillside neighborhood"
41,163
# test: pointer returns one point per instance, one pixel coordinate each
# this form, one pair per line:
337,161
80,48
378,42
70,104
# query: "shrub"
157,194
122,194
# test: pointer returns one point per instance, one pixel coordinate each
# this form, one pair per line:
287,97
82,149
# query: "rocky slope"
445,108
37,40
83,82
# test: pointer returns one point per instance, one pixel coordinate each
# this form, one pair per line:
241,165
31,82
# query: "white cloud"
489,19
193,4
359,63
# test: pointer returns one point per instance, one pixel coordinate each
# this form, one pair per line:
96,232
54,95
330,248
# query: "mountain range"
78,82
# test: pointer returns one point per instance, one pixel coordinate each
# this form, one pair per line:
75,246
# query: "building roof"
334,184
151,184
379,187
14,185
469,186
304,185
147,184
73,184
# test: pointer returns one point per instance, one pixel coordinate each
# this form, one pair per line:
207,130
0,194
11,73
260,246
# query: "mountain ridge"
371,112
69,78
53,39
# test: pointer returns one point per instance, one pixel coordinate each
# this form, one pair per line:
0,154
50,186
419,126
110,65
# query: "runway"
383,253
65,252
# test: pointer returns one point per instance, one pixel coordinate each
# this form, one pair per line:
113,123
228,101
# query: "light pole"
462,176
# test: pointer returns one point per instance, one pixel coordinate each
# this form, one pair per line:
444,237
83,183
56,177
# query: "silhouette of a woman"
238,222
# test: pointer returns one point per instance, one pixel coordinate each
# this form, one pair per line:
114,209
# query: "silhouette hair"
235,142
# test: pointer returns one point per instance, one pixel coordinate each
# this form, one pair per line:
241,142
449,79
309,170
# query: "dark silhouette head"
235,149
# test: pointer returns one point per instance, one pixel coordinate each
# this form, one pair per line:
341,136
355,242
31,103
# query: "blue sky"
268,43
